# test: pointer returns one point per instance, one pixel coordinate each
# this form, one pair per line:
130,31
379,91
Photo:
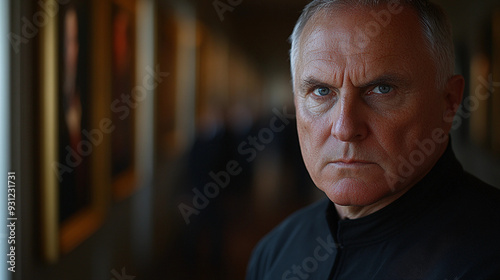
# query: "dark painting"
74,113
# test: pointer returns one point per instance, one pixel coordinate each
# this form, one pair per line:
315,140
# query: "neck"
356,212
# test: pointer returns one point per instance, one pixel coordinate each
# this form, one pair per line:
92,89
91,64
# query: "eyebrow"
311,82
390,79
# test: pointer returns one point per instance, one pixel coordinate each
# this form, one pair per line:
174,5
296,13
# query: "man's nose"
349,122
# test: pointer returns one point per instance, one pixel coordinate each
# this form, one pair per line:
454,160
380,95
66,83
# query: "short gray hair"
434,22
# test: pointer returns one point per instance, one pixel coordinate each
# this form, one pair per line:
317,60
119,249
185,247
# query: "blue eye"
322,91
382,89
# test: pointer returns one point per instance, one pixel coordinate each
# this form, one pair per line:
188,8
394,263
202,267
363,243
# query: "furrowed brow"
389,79
311,82
393,79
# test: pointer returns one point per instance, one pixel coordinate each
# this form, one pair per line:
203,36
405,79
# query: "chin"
356,192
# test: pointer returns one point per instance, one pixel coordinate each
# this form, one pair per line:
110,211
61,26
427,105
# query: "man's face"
361,106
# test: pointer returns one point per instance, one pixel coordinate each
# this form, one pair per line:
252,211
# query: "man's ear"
453,93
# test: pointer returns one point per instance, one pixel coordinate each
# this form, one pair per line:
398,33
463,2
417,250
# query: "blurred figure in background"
203,238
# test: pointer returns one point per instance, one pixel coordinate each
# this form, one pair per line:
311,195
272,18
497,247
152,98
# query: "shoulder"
480,198
473,226
289,241
474,205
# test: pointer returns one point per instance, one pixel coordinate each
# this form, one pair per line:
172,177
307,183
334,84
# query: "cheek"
314,127
424,119
401,137
396,136
313,134
306,130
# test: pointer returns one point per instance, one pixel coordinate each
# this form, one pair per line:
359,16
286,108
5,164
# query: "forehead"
338,38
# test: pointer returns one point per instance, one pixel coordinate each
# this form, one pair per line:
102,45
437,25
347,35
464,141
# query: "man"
375,97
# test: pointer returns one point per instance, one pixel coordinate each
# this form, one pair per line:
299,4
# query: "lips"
351,162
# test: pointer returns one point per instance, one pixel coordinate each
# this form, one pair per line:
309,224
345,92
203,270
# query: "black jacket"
447,227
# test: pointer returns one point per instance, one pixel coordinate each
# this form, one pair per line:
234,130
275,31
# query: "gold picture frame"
62,233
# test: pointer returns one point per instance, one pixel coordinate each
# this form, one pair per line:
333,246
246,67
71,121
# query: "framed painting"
74,128
480,69
484,85
165,101
495,127
123,108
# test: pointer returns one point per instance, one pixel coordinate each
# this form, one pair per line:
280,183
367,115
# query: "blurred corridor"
157,139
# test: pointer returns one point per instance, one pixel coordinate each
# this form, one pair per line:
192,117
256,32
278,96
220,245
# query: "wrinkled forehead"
362,32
